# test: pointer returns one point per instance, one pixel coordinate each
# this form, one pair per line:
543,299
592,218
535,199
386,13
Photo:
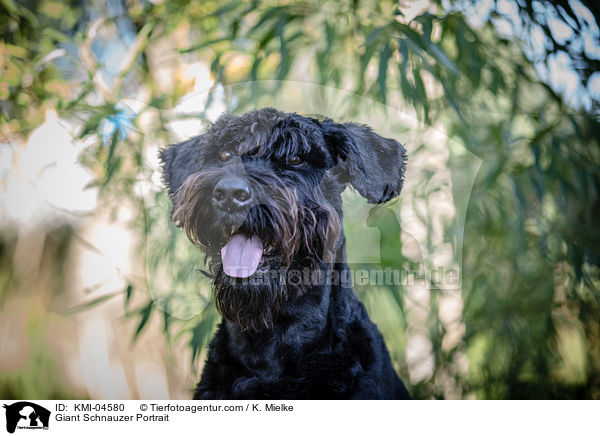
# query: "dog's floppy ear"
372,164
178,162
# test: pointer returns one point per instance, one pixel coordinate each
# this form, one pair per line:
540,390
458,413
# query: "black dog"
260,195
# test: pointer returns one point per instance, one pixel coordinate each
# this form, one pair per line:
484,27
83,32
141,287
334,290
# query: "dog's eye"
295,161
225,155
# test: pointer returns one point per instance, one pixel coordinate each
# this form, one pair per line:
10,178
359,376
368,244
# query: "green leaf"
285,61
255,66
420,93
145,313
128,294
441,57
266,39
92,303
270,14
384,57
216,63
374,35
411,35
404,53
98,114
203,44
426,21
166,318
453,102
423,46
370,49
201,334
228,7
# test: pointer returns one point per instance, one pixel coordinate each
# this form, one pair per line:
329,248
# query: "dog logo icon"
26,415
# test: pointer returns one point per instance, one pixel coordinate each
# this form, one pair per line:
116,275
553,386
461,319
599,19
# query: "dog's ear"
178,162
372,164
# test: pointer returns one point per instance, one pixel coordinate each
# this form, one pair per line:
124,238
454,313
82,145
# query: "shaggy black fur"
292,329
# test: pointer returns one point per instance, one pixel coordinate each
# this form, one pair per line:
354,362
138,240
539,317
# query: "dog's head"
260,194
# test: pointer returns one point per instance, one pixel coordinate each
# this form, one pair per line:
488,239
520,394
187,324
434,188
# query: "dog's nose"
232,193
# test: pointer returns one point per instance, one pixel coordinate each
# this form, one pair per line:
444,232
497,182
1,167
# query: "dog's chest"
292,367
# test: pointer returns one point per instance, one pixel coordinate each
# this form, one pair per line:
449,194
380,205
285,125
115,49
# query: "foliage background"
117,71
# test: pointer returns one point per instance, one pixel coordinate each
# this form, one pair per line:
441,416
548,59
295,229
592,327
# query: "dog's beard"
253,303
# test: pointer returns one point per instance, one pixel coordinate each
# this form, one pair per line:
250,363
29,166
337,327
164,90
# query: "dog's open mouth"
242,255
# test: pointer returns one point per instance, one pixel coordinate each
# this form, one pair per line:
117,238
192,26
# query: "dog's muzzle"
241,255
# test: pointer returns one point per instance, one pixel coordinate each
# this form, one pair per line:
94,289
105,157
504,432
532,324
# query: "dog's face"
260,194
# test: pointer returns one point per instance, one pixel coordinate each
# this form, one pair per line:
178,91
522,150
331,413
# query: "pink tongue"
241,256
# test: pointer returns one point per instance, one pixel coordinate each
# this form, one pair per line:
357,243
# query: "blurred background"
497,102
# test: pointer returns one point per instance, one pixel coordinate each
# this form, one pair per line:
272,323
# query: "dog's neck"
302,320
314,302
305,320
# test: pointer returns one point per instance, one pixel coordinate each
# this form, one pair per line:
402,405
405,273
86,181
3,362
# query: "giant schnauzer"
260,194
